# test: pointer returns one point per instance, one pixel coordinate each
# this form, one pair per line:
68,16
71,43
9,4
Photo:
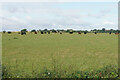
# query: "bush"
109,71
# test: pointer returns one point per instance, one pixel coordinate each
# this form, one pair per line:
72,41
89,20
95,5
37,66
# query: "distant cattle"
79,32
48,32
109,32
60,32
35,32
117,33
41,32
9,32
55,32
85,32
23,33
71,32
95,32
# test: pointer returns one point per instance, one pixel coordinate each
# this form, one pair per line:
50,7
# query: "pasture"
28,55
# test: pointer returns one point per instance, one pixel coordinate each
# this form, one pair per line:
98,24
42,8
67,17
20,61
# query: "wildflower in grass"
48,73
78,75
100,74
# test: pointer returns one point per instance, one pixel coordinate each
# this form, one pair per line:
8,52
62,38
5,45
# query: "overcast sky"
59,0
59,15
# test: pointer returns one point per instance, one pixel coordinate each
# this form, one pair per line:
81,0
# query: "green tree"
25,30
53,30
4,31
33,30
45,30
103,30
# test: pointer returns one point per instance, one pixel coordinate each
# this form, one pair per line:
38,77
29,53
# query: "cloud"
28,17
108,23
59,0
17,9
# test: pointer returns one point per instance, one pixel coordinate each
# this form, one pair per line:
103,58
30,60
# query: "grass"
64,54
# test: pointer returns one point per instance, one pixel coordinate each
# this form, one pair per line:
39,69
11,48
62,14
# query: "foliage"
4,31
33,30
103,30
109,71
25,30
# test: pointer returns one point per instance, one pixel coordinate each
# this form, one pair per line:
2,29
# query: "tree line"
103,30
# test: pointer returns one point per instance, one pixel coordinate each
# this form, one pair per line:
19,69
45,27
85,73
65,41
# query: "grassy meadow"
32,54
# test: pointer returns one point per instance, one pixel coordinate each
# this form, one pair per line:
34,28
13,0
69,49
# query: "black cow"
109,32
41,32
85,32
60,32
23,33
95,32
71,32
55,32
9,32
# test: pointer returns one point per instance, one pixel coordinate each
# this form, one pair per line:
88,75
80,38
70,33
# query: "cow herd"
48,32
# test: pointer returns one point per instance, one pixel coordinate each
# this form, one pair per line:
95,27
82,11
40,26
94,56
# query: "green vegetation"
55,55
24,30
103,30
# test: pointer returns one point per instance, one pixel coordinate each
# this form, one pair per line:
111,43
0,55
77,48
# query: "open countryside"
59,55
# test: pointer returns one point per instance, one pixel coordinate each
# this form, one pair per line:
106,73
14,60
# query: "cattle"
45,32
60,32
9,32
85,32
23,33
117,33
95,32
55,32
35,32
109,32
79,32
41,32
48,32
71,32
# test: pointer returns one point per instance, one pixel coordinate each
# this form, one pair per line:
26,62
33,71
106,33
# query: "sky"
59,0
59,15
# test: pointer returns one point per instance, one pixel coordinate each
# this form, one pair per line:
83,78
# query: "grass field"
32,53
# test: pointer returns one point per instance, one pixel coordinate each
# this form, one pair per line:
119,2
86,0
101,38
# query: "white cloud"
59,0
28,17
108,23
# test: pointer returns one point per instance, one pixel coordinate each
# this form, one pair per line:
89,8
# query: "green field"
32,53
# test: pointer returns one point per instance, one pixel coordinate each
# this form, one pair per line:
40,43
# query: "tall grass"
59,71
109,71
